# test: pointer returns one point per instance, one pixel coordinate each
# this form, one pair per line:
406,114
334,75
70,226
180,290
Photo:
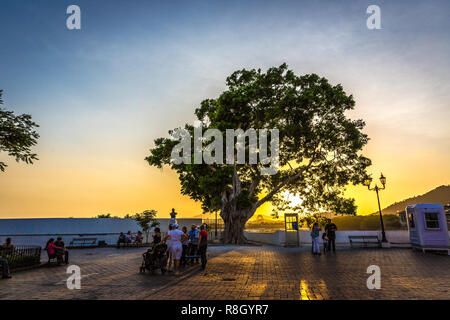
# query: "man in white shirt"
176,238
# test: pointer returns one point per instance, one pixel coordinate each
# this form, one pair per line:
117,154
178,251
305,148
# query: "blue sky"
138,68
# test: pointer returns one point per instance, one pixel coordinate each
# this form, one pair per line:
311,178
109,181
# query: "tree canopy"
146,219
319,147
17,136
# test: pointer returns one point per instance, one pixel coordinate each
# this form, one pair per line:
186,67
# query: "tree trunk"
233,218
234,224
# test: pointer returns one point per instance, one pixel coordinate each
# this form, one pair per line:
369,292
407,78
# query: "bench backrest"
363,237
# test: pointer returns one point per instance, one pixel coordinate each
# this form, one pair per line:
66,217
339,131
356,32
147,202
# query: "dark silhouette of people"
60,244
53,251
203,245
330,229
3,262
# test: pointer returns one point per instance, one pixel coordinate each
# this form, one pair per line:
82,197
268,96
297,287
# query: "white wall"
397,237
38,231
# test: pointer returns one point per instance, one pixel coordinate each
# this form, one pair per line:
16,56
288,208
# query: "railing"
22,256
211,223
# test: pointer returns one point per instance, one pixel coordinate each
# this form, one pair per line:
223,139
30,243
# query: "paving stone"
246,272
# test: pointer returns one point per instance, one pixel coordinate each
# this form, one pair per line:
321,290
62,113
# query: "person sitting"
8,246
157,236
61,247
139,237
128,237
4,264
147,256
53,251
121,239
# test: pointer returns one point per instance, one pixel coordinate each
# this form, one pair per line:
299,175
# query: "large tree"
319,148
17,136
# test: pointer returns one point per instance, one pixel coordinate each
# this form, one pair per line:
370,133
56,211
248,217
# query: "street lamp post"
368,182
215,228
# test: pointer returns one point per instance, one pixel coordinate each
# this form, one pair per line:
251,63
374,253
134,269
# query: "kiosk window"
412,224
432,220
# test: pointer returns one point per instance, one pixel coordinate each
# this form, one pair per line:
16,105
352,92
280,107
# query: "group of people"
328,237
57,249
6,249
129,238
182,244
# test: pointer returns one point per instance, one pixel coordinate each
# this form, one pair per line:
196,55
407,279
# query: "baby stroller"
155,258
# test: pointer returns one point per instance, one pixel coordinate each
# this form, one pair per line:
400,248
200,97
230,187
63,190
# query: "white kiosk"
427,227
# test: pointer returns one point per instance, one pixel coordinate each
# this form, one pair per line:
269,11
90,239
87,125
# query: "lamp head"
367,181
383,180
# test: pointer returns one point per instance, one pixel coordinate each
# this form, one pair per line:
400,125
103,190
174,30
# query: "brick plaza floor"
249,272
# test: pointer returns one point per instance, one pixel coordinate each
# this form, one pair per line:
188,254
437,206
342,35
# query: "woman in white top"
176,238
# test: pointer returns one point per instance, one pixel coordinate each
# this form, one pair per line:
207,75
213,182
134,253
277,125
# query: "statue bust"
173,215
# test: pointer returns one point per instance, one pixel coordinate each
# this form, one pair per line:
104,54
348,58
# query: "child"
315,232
325,242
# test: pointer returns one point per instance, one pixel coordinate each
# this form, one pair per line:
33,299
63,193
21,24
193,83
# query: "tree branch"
286,181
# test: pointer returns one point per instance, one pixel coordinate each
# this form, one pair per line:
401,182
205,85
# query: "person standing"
168,242
203,245
315,232
330,229
5,268
176,238
185,244
325,242
4,264
193,242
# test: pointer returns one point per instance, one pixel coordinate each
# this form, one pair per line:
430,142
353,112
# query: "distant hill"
439,195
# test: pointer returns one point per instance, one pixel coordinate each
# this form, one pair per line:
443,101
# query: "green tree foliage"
147,221
17,136
309,220
106,216
370,222
319,147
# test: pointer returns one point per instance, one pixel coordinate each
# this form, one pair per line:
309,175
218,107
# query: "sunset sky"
136,69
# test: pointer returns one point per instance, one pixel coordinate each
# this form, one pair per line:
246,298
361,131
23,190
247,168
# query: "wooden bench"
365,240
83,242
50,258
132,244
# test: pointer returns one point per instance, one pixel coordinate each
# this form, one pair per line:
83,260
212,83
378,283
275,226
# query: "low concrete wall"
38,231
397,237
275,238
